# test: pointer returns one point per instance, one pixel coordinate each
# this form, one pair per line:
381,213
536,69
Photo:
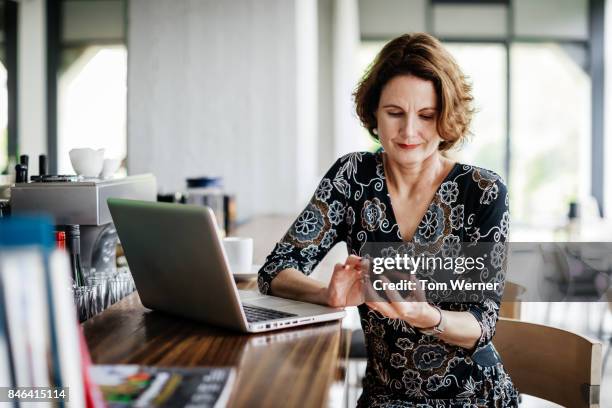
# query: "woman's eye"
426,117
395,113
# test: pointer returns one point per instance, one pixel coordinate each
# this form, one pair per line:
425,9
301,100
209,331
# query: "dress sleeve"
314,232
490,226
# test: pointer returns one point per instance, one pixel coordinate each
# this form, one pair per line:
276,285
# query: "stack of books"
43,354
40,338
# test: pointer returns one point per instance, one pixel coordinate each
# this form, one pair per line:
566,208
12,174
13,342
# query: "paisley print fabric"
405,367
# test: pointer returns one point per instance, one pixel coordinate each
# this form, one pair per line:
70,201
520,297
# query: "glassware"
120,287
101,290
100,284
84,299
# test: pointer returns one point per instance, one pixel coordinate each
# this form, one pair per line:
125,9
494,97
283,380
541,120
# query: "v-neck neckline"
380,160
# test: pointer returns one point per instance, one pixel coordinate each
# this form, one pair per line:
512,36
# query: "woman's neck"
404,179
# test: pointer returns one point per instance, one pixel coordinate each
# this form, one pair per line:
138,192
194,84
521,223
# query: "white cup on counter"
239,252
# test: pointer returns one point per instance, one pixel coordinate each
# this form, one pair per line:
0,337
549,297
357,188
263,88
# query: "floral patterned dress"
405,367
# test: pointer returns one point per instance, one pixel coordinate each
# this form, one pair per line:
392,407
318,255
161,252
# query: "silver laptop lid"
177,260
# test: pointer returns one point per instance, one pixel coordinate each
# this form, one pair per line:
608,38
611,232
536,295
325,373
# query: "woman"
416,102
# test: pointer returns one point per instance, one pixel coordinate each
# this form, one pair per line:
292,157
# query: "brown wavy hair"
423,56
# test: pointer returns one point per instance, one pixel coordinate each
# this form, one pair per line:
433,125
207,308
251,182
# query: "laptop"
179,266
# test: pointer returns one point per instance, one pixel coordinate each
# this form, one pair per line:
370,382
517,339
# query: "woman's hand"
414,309
346,285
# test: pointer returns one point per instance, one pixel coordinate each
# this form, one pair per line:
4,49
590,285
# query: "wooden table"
293,367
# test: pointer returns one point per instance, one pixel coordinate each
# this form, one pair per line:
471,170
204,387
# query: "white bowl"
109,168
87,162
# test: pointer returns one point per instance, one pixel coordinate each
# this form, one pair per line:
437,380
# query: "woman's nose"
409,127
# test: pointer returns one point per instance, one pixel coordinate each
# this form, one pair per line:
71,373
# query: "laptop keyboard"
256,314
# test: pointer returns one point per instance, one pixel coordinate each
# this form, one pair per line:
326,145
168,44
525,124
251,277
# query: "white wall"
346,41
306,34
339,128
214,88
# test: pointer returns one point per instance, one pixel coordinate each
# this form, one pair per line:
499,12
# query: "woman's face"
406,116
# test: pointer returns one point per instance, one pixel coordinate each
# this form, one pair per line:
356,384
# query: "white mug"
239,252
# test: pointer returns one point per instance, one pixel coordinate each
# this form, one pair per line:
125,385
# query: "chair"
574,280
511,305
550,363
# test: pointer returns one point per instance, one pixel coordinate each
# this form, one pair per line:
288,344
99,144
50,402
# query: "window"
485,67
550,132
367,53
92,79
92,96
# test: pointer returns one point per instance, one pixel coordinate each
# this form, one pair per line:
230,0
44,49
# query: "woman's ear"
375,128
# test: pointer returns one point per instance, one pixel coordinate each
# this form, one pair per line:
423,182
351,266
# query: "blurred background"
258,92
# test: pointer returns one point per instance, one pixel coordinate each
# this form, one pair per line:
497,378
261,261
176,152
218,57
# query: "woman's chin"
407,157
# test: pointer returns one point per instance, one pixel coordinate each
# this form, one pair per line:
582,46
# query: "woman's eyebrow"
391,105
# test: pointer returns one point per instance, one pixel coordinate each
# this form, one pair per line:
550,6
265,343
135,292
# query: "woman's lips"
408,146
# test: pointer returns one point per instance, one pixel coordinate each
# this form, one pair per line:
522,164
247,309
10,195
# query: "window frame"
595,56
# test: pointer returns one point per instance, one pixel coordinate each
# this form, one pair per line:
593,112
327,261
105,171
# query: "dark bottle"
24,160
73,240
21,173
42,165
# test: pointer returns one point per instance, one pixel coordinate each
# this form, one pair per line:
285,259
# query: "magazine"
148,386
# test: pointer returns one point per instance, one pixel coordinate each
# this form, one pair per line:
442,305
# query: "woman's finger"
403,308
338,267
370,293
343,269
353,261
392,294
419,294
365,264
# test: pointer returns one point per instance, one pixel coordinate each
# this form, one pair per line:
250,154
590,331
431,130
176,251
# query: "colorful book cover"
146,386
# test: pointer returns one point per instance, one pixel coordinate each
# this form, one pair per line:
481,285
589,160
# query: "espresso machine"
85,229
79,205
